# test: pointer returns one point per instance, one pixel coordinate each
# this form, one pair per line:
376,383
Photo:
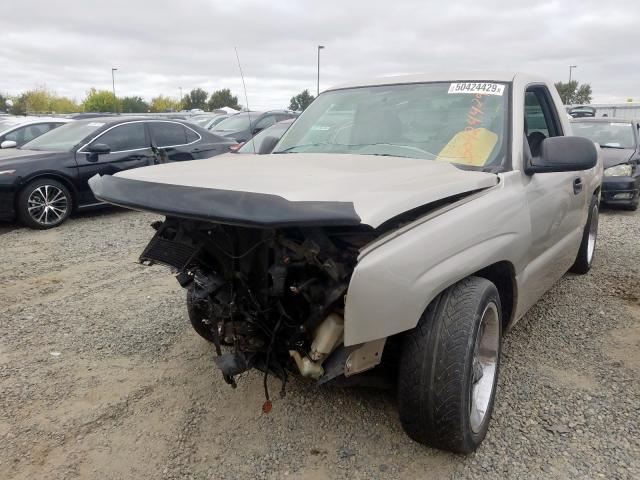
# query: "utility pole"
320,47
113,85
571,67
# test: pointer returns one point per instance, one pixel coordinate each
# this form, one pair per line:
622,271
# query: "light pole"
571,67
320,47
113,85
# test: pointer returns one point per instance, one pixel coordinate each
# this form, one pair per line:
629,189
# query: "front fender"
394,281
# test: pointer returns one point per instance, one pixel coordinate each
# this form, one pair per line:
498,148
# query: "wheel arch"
54,176
503,275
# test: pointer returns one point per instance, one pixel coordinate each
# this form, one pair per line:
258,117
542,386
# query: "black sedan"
620,142
42,182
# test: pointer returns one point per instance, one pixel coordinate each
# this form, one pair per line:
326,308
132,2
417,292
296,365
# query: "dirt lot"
102,377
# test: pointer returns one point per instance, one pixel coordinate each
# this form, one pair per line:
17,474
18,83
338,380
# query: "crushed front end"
275,296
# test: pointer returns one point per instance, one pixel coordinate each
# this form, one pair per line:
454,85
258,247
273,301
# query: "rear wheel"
449,367
44,203
587,251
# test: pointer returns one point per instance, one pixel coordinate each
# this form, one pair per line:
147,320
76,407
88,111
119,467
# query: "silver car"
16,131
398,229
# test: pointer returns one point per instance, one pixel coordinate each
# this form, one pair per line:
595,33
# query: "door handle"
577,185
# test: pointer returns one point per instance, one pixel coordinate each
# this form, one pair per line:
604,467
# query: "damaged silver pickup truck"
399,227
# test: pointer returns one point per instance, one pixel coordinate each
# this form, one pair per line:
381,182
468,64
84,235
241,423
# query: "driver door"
130,148
556,203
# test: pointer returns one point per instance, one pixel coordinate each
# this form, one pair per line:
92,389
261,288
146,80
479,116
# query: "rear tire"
449,367
587,250
44,203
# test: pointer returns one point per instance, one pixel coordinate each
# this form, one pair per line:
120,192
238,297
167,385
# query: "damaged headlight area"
623,170
276,296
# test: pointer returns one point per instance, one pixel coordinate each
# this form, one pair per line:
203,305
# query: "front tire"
197,317
587,250
449,367
44,203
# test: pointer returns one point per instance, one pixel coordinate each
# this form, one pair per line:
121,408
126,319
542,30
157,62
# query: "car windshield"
237,122
253,144
464,123
64,138
606,134
7,124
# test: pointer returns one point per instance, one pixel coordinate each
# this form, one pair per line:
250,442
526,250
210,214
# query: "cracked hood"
279,189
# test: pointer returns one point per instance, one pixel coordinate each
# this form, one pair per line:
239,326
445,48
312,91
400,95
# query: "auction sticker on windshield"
477,88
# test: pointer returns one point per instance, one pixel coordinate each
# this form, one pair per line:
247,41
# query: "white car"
16,131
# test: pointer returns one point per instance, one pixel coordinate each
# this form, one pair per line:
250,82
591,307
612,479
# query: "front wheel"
587,250
198,317
449,367
44,203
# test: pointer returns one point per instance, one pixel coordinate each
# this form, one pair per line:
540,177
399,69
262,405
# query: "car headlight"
623,170
7,172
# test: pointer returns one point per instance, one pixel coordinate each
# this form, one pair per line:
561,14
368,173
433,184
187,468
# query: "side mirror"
8,144
563,154
99,149
267,145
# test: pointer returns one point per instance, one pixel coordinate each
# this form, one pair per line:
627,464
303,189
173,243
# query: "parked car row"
43,181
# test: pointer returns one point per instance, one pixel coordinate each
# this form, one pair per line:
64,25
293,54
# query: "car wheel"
587,250
44,203
449,367
197,317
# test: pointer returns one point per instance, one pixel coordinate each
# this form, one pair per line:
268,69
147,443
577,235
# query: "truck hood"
286,189
616,156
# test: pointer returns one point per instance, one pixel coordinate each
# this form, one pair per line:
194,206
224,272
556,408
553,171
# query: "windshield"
607,134
7,124
253,144
64,138
237,122
463,123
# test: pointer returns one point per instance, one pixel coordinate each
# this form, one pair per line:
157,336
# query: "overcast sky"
161,45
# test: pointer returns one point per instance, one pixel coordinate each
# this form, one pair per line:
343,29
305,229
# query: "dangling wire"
266,407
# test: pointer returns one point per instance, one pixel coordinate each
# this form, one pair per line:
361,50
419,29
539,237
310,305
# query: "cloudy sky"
161,45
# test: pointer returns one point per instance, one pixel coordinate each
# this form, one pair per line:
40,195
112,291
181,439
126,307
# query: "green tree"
19,105
63,105
301,101
100,101
572,93
185,103
3,103
196,98
223,98
37,100
164,104
134,105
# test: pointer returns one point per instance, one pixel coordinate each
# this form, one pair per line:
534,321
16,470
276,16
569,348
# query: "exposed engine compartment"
275,295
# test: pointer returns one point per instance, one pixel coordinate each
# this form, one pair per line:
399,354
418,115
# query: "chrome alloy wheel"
593,233
485,365
47,205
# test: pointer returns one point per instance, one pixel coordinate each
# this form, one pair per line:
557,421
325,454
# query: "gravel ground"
102,377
